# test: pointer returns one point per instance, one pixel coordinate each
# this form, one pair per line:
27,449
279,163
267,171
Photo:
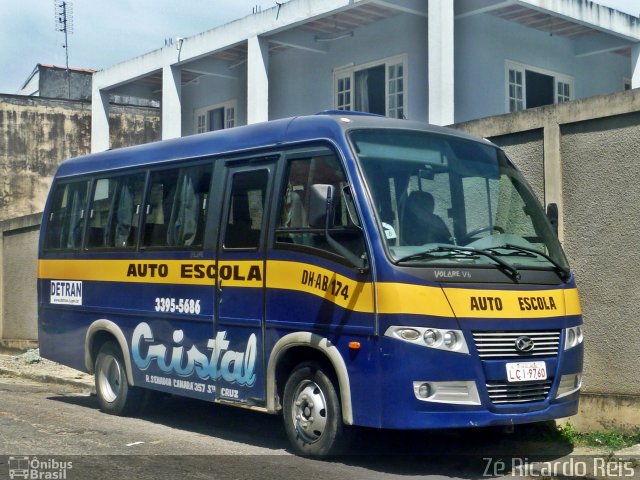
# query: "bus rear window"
66,217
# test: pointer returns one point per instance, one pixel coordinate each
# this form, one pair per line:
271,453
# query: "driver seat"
419,224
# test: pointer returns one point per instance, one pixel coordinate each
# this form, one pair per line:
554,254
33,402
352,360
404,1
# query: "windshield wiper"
466,252
563,272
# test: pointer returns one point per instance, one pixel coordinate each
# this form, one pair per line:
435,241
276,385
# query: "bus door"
240,277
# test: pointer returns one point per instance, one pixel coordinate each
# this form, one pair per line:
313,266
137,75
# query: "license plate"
526,371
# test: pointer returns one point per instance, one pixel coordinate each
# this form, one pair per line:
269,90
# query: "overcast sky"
106,32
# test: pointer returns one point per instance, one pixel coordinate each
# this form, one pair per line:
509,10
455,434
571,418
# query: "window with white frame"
563,90
395,92
215,117
516,87
343,93
201,121
530,87
230,117
378,87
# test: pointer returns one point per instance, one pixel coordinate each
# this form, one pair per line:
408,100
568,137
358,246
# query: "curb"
44,378
12,347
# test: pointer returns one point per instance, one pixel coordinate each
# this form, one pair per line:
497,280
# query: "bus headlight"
450,339
431,337
573,336
441,339
409,334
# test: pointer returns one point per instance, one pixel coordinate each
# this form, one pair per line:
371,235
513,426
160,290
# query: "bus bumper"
425,389
456,417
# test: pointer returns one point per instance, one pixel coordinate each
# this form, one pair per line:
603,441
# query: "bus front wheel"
115,395
311,411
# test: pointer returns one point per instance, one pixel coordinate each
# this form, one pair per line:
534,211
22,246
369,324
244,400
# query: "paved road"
181,438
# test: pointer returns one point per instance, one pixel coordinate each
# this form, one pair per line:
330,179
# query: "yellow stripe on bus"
572,301
392,298
412,299
513,303
336,288
187,272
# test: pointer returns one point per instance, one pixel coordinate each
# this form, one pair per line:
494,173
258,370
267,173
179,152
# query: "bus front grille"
499,345
521,392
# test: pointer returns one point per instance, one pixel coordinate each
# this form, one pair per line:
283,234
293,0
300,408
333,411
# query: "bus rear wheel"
311,411
115,395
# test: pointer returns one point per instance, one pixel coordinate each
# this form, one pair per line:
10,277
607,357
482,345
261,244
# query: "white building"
441,61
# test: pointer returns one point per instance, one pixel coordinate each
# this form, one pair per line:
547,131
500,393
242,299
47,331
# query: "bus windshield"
447,200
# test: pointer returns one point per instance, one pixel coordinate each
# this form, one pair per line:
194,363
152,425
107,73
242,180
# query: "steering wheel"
487,228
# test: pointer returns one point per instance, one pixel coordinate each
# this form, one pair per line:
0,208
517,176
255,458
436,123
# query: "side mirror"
320,205
552,215
321,211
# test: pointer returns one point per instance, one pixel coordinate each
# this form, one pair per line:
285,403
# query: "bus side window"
246,209
293,227
114,212
176,208
66,216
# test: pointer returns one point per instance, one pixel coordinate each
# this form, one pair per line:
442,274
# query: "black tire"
115,395
312,412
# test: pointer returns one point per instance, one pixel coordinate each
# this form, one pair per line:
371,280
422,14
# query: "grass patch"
612,440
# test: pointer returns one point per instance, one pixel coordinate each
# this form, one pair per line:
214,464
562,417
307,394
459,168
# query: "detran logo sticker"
65,292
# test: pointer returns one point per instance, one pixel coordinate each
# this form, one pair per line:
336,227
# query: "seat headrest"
420,202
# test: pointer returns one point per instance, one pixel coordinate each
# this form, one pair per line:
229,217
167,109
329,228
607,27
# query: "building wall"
57,83
209,91
301,82
18,273
36,134
132,125
483,43
598,151
602,173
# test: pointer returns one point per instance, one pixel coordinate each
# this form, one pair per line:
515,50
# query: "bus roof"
322,126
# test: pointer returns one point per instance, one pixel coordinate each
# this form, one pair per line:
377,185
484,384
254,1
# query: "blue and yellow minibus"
338,269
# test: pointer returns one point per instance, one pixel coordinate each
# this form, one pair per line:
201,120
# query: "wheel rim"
110,379
309,411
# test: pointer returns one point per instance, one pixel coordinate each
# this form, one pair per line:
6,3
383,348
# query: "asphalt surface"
48,412
184,438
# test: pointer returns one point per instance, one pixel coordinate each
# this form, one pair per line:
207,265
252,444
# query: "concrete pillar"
171,105
257,80
440,49
553,172
99,120
635,66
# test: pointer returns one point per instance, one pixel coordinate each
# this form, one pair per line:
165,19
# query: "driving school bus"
338,269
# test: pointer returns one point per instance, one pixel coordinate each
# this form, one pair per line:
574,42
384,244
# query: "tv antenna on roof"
64,23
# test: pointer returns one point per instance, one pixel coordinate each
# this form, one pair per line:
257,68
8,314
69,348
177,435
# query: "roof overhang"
599,29
311,25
